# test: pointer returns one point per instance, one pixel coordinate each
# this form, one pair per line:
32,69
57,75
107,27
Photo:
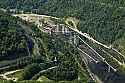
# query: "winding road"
8,73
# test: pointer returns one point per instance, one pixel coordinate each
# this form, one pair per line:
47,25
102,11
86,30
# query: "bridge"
98,61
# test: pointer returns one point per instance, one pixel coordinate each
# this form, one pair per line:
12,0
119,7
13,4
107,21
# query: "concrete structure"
44,23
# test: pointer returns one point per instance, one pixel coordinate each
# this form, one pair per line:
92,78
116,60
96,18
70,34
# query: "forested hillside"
105,21
102,19
52,58
13,40
26,5
24,46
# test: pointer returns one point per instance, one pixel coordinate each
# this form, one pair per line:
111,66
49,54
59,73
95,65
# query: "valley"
51,41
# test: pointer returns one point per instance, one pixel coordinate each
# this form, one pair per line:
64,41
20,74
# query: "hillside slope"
24,46
103,20
14,42
25,5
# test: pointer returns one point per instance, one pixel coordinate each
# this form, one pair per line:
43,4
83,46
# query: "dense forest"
25,5
12,38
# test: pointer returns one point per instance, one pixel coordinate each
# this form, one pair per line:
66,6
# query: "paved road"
41,72
8,73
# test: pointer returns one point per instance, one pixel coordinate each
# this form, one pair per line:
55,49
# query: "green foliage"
12,38
5,81
30,71
52,47
120,44
102,19
67,68
26,5
76,81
